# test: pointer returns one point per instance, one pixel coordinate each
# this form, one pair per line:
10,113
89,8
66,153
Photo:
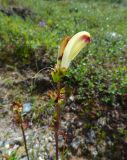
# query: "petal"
61,49
73,47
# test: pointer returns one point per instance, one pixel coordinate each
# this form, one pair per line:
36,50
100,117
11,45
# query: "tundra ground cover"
30,32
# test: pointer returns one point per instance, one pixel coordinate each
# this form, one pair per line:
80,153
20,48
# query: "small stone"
0,152
93,150
61,142
110,143
24,158
91,136
27,107
79,124
64,125
3,112
50,139
40,158
1,144
73,107
101,147
72,98
76,142
102,121
7,145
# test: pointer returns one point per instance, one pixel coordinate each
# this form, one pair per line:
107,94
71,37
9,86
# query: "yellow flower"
70,47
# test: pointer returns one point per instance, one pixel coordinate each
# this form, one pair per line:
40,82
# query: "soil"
91,132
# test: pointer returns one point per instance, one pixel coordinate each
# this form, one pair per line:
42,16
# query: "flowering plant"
69,49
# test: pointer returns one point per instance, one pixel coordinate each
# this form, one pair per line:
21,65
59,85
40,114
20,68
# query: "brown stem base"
56,140
25,143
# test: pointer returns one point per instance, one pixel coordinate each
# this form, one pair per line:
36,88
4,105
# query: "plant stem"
24,139
56,140
57,121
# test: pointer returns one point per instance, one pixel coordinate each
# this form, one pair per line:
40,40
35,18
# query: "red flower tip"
86,38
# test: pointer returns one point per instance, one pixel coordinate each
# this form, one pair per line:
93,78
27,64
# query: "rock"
109,142
7,145
64,125
102,121
93,150
101,147
91,137
1,99
61,142
1,143
73,107
24,158
76,142
72,98
79,124
0,152
27,107
3,111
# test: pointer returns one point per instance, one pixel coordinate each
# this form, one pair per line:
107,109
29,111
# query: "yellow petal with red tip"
73,47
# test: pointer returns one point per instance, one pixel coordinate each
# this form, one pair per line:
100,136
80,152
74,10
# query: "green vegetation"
102,68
